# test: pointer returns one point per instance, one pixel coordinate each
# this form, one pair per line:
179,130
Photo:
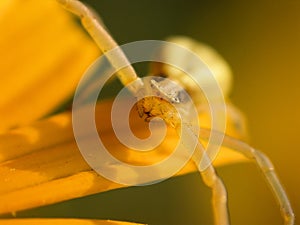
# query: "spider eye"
175,100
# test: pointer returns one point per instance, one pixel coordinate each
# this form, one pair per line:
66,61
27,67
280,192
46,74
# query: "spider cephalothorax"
157,99
151,107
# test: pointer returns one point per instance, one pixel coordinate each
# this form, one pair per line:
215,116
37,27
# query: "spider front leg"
267,168
212,180
104,41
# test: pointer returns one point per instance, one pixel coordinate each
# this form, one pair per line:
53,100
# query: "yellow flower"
43,55
42,59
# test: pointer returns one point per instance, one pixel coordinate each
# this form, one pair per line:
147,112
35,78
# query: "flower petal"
42,58
41,163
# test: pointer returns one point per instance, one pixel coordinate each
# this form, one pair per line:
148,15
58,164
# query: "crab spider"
158,107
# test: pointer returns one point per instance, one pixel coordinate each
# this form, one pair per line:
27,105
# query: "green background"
260,40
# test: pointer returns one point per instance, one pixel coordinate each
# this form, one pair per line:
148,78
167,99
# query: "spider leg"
103,39
210,178
266,167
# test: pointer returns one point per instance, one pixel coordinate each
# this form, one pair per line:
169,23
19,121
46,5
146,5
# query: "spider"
160,105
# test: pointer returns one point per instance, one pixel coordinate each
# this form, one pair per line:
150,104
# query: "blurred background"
260,40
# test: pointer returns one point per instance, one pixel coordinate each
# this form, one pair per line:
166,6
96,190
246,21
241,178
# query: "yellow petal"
42,58
41,163
62,222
